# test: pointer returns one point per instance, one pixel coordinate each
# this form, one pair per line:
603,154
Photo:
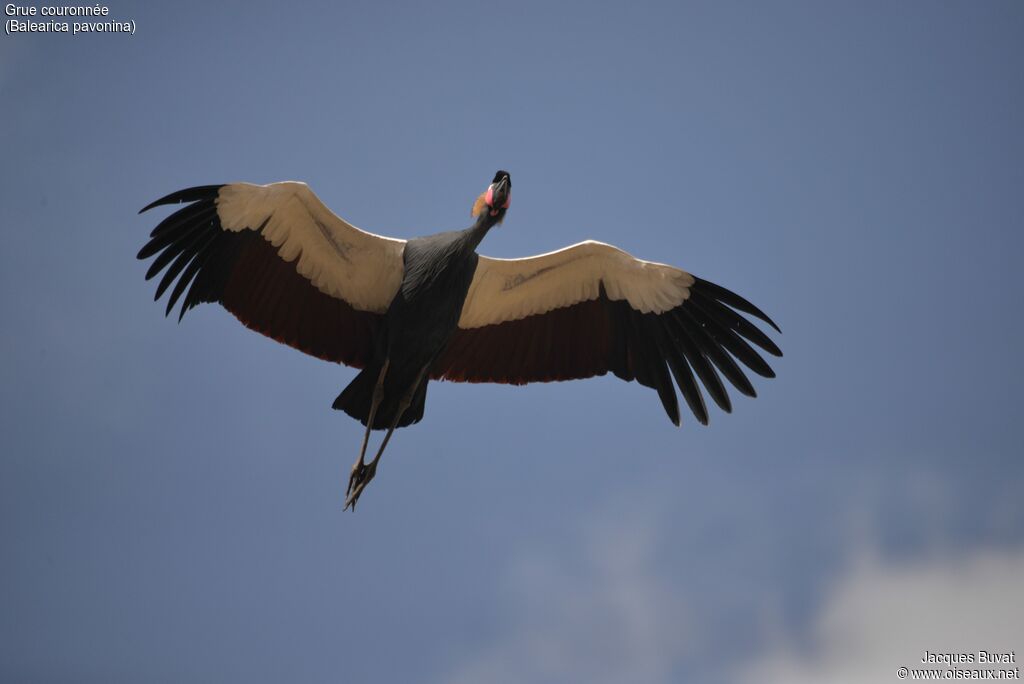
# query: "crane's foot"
361,475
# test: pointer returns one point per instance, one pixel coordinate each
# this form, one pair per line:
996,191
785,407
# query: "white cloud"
611,618
881,616
622,603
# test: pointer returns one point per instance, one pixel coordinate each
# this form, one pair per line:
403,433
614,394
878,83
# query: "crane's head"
496,199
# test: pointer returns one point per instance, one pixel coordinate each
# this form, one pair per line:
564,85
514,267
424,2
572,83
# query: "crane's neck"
474,235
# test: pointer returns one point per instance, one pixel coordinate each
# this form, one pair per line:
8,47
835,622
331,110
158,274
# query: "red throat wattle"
489,199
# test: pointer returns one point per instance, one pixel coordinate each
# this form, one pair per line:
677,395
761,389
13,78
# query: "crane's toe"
361,475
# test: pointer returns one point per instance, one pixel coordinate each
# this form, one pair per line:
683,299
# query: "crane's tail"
355,400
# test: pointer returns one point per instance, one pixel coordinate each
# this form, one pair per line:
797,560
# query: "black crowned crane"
407,312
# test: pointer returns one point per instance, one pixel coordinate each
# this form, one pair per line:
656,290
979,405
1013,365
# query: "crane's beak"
498,195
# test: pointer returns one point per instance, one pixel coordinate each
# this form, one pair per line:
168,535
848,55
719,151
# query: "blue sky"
170,495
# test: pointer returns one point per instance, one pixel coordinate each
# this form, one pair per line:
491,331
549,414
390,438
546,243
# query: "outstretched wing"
281,262
592,308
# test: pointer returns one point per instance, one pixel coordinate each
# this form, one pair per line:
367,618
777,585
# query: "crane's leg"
378,395
362,473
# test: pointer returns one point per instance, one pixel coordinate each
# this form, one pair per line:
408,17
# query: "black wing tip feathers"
734,300
182,243
709,331
192,194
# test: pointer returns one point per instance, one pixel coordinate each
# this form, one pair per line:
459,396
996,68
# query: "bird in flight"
406,312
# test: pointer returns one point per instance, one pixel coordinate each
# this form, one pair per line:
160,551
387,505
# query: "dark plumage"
419,323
